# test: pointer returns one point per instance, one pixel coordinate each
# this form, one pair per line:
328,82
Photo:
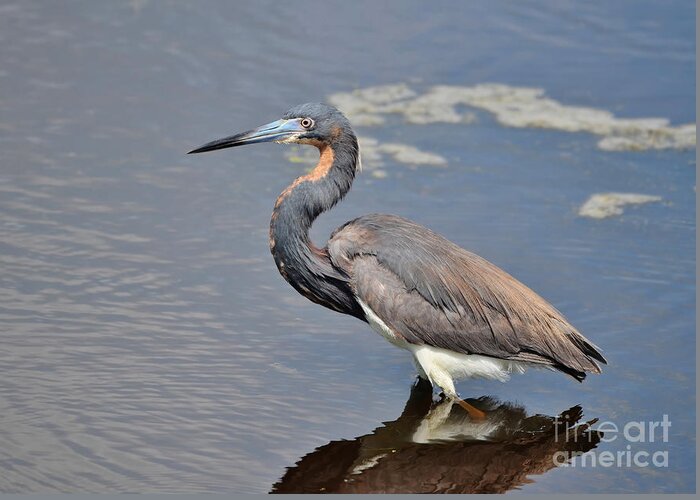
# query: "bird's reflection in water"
437,448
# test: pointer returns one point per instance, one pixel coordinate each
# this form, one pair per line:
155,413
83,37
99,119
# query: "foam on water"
603,205
513,107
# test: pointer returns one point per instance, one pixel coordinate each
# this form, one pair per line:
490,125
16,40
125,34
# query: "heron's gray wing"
431,291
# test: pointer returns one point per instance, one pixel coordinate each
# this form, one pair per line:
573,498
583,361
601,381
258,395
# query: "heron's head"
312,123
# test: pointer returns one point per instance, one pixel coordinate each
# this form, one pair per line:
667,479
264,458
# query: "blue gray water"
147,342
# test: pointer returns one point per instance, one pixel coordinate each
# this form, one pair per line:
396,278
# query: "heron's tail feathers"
586,358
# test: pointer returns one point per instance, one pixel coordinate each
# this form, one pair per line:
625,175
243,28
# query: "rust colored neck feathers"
325,162
306,267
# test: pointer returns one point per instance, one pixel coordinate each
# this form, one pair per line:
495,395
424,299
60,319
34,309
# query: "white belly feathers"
442,366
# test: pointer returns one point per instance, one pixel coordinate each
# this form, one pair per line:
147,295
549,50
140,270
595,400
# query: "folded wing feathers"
461,283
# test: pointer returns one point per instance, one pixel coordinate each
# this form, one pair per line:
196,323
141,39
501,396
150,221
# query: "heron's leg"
421,371
447,385
443,379
473,411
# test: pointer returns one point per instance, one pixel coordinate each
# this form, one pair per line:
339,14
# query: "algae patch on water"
373,153
603,205
514,107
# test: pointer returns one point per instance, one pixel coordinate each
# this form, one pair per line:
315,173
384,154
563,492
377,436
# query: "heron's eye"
307,123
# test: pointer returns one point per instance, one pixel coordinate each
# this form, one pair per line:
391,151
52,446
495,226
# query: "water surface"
148,343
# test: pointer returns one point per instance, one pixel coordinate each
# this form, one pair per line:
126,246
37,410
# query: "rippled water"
148,343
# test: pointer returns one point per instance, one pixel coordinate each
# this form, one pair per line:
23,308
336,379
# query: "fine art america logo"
636,453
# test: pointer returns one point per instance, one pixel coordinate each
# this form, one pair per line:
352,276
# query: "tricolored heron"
456,313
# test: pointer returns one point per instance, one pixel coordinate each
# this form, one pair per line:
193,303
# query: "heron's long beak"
275,131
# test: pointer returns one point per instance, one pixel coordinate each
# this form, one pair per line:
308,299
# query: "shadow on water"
437,448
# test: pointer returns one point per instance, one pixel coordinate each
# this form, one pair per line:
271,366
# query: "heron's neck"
306,267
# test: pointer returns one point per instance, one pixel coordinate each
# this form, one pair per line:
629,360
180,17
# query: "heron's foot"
474,412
